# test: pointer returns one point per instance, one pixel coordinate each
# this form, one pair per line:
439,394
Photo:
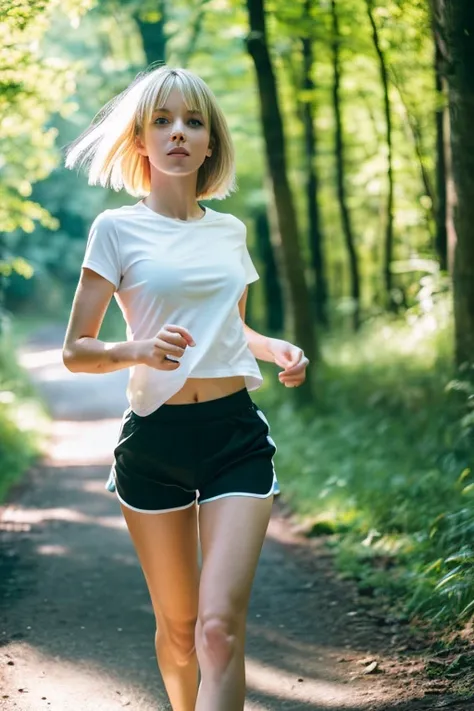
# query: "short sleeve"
102,253
251,273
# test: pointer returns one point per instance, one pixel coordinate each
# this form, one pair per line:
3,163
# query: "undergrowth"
384,462
22,416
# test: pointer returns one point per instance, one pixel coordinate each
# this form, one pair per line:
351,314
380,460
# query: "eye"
162,121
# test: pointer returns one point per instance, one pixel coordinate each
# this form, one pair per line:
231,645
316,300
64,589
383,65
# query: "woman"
194,456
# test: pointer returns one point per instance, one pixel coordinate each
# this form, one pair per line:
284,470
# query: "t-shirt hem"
221,374
251,279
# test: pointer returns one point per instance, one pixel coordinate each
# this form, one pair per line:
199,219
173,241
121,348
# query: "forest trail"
76,627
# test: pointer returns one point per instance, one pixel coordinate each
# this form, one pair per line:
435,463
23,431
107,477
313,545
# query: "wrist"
269,343
135,351
125,352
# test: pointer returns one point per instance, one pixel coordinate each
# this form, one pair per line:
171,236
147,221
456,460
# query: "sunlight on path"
38,678
16,514
263,678
47,360
80,443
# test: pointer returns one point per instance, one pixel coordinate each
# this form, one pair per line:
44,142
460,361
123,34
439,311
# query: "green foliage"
32,88
101,54
22,419
386,462
18,265
35,94
17,451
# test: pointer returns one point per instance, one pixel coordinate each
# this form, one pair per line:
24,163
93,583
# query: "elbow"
69,361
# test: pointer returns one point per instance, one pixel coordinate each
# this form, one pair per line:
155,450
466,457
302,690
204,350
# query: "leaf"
434,566
468,608
455,573
466,556
464,474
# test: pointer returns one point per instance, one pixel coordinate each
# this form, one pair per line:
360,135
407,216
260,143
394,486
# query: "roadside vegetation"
23,416
383,464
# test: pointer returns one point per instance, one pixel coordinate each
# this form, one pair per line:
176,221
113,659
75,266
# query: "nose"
177,135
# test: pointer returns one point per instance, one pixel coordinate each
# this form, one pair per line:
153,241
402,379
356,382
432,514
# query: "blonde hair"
107,147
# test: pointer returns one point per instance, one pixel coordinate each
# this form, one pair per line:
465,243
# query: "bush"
386,461
22,418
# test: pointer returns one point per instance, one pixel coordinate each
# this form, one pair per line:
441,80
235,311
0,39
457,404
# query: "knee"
178,638
217,639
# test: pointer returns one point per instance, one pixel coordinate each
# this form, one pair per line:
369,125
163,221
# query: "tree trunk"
341,190
416,132
314,219
441,241
273,134
388,257
273,293
458,16
3,285
442,126
153,34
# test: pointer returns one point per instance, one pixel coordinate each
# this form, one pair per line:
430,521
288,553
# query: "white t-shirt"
187,273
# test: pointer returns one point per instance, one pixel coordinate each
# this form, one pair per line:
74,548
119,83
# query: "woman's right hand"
169,344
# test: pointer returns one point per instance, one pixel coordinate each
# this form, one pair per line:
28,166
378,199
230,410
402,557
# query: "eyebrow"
167,111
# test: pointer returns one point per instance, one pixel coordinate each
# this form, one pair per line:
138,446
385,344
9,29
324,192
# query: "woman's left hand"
291,359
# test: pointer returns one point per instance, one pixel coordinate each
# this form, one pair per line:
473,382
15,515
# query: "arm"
274,350
258,343
100,277
82,351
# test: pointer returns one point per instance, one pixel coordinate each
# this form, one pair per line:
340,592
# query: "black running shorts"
202,451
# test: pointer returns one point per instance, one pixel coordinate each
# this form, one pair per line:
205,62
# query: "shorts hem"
154,511
237,493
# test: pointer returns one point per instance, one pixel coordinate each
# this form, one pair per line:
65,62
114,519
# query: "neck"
174,196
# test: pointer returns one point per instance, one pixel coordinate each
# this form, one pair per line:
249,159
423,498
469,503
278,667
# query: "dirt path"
76,625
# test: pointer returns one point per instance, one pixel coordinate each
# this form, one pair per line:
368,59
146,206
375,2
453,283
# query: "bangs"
155,96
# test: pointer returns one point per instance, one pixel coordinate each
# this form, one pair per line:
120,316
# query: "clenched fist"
163,351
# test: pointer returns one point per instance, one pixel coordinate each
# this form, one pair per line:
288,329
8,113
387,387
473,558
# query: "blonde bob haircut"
107,147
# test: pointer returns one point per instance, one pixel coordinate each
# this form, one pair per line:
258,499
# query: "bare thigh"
166,545
232,534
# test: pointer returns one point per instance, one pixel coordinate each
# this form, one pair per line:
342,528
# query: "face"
176,140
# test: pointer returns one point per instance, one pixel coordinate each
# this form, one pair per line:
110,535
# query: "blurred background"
352,122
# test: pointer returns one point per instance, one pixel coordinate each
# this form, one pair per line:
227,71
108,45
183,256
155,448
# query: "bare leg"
232,531
166,545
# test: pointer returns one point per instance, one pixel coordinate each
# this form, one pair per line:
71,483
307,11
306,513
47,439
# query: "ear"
139,145
210,147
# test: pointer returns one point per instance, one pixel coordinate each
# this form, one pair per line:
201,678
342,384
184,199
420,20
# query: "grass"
384,462
23,418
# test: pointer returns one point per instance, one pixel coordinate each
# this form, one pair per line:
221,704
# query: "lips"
178,151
